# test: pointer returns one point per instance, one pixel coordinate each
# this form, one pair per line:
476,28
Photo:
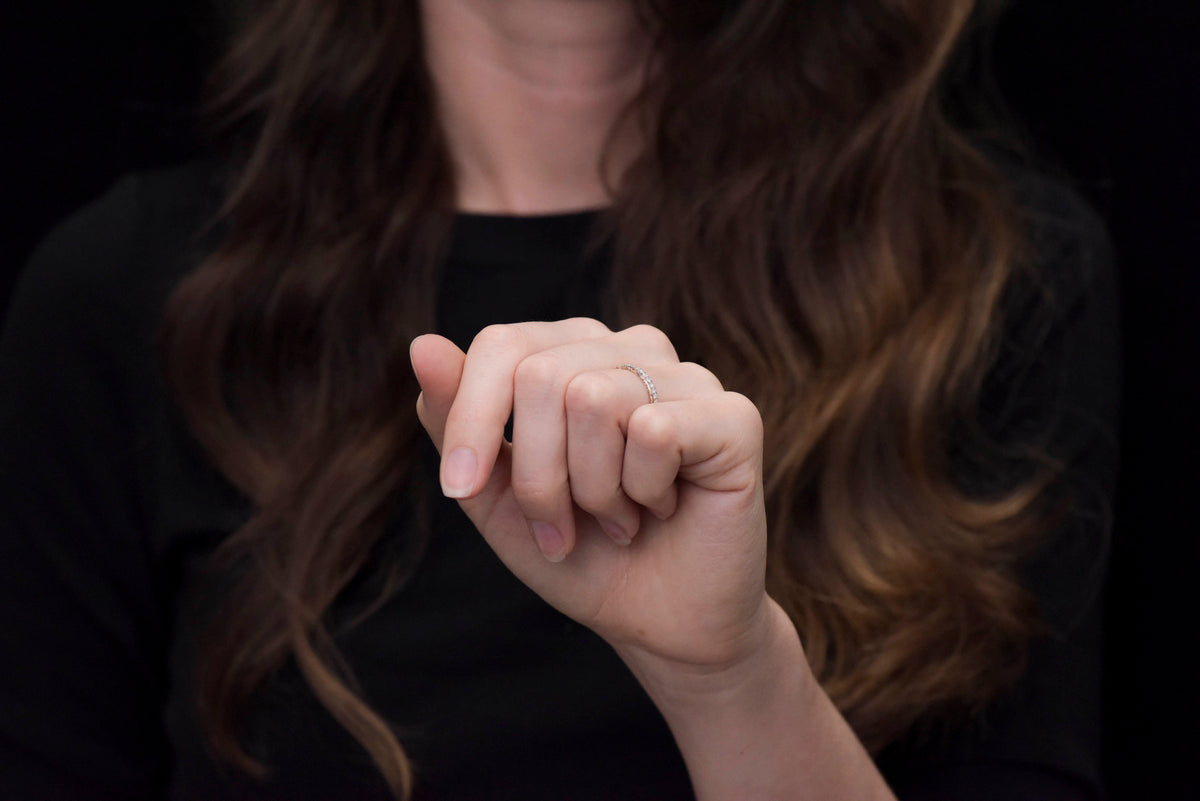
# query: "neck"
529,94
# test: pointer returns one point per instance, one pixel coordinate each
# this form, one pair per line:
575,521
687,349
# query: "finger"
539,454
599,404
474,428
540,477
437,363
713,441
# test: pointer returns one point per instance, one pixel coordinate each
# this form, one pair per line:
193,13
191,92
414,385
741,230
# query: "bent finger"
599,404
474,428
713,442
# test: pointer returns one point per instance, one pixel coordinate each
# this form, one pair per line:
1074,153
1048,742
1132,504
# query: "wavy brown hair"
803,220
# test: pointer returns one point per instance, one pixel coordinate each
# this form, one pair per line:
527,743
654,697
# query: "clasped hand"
643,521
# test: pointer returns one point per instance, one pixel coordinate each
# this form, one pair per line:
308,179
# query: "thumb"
438,364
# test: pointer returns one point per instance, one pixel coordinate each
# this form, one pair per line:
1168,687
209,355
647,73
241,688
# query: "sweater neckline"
508,238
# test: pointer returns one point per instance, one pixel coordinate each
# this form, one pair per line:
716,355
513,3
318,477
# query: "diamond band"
640,373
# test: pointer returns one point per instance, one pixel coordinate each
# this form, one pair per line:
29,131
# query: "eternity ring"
640,373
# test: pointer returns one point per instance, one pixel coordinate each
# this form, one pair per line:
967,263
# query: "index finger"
475,425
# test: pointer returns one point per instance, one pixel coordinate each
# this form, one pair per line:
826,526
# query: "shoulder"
1067,249
79,333
1050,397
1060,316
1075,297
1054,370
1049,402
140,232
94,287
80,452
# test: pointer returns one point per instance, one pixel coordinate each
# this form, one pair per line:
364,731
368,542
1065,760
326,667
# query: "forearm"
763,730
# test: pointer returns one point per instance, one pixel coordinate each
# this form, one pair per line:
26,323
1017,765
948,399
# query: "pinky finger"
713,442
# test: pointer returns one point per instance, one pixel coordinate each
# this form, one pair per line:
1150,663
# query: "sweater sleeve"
81,617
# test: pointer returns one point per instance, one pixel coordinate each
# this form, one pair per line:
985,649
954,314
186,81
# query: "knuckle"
746,412
593,496
536,494
652,429
499,337
539,370
701,376
657,341
589,328
590,393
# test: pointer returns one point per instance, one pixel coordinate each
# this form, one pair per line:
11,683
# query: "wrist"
760,728
766,658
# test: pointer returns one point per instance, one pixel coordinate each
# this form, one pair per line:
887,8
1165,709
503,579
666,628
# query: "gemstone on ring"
640,373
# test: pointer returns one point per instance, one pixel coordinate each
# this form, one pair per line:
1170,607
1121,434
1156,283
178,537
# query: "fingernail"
410,349
615,532
549,540
458,473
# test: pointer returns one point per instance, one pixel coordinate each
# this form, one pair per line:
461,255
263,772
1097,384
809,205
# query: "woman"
260,582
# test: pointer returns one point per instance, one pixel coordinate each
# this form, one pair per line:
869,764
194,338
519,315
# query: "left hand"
643,521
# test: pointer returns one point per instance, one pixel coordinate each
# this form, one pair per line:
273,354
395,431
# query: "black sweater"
108,511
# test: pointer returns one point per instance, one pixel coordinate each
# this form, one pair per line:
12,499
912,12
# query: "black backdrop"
1108,90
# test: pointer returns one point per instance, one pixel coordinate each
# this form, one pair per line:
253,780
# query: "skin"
644,522
527,93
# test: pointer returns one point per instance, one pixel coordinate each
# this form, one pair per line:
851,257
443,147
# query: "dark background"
1107,90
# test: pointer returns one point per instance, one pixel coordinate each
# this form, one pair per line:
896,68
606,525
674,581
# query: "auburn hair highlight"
803,220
